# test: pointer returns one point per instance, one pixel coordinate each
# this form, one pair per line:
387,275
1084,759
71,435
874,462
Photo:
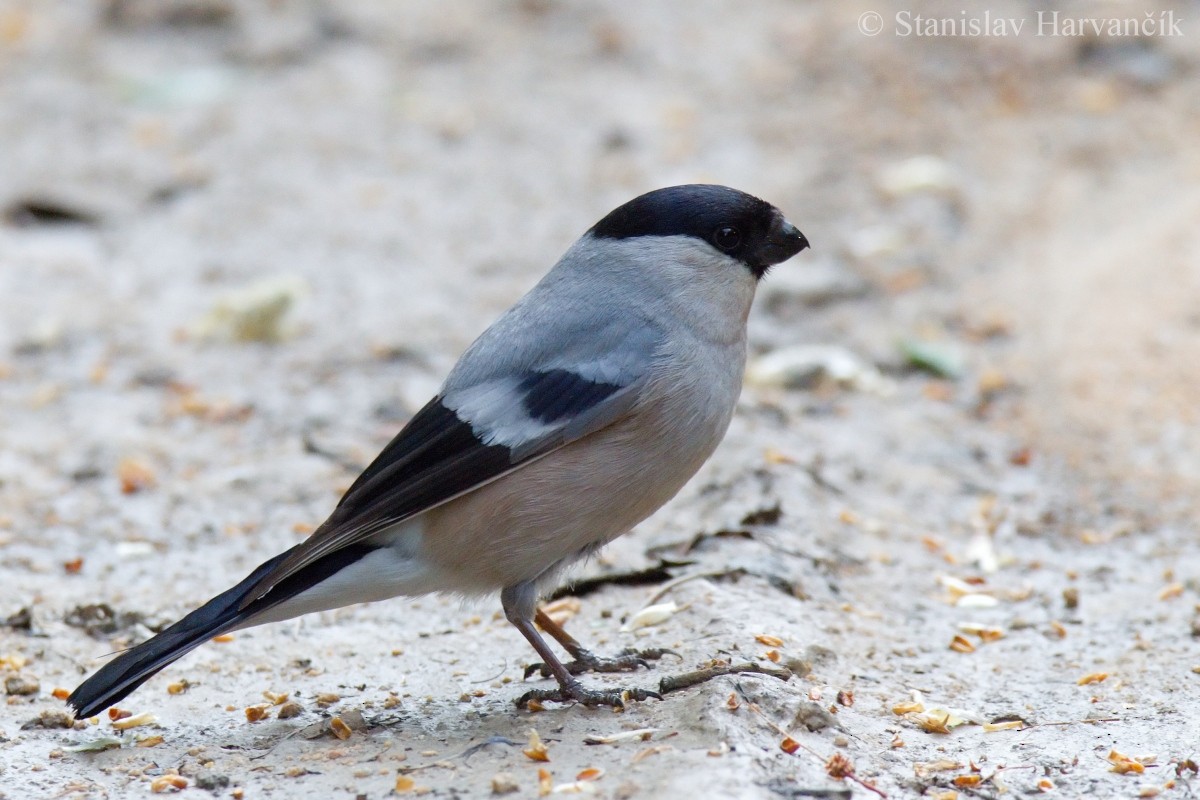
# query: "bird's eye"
727,237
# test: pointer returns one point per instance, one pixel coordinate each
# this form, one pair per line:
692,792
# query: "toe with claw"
574,692
627,660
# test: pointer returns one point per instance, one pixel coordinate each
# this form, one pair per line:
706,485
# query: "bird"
579,413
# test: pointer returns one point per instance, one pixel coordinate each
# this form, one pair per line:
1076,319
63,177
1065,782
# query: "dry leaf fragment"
768,640
733,702
95,745
340,729
845,697
933,723
127,722
1092,677
536,751
150,741
941,719
838,766
908,707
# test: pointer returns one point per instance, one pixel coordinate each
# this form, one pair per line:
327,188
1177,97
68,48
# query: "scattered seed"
641,735
340,729
290,709
504,783
651,615
166,783
1123,764
1008,725
22,685
127,722
257,713
960,644
134,475
536,751
1171,591
1092,677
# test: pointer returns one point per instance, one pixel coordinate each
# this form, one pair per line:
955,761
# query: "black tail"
115,680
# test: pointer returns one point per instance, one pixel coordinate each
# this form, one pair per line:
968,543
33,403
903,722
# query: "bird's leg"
585,660
520,604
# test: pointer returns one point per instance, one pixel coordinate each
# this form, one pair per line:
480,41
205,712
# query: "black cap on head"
735,223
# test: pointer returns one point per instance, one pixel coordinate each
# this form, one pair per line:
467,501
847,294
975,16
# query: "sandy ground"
403,172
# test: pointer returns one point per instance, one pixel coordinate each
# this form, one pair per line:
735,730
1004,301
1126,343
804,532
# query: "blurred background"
240,242
395,162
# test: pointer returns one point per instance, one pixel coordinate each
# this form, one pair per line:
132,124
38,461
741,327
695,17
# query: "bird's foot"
574,692
627,660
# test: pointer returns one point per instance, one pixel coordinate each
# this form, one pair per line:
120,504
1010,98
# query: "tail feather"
115,680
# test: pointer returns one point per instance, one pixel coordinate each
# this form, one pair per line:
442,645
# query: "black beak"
784,240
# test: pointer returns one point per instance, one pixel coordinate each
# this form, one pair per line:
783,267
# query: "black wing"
439,456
